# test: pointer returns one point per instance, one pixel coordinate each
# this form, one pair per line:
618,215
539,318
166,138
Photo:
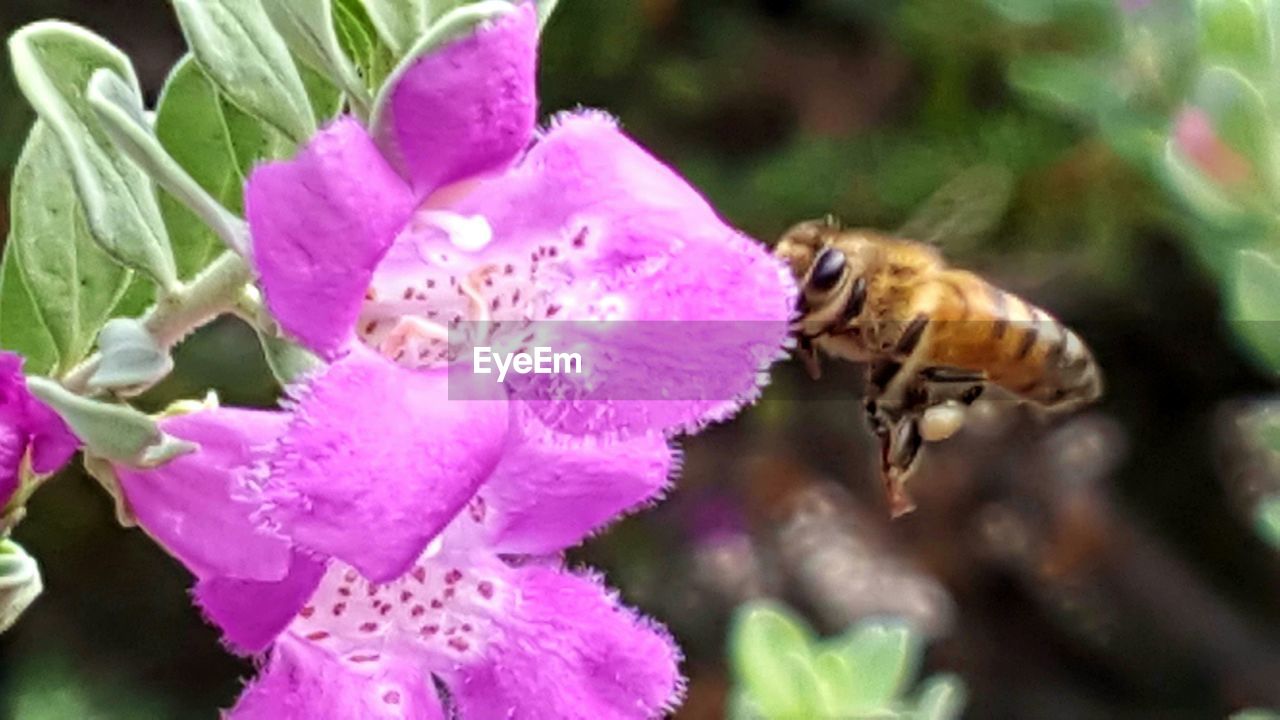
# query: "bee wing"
967,208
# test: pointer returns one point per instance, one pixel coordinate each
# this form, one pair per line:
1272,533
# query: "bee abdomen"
1016,345
1045,361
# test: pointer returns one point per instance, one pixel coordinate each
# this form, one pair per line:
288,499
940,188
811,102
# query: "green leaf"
20,582
1238,114
132,361
453,25
1234,32
288,361
72,283
546,8
884,657
1025,12
1268,430
771,655
1256,714
125,122
53,62
21,329
835,683
1079,85
374,58
139,296
941,698
240,51
1254,305
216,143
1202,196
1266,518
113,432
740,706
308,29
436,9
398,22
325,97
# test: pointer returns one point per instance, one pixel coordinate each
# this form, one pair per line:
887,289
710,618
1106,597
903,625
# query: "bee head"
828,262
800,245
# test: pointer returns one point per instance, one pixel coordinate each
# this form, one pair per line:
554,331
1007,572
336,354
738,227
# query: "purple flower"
29,431
458,210
376,534
526,639
487,607
368,465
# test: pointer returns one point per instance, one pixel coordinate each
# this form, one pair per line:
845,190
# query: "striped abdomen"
976,326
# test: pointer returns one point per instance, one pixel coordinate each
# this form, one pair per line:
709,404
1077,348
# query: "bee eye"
827,269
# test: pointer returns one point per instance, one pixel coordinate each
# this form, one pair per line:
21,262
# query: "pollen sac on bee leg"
941,421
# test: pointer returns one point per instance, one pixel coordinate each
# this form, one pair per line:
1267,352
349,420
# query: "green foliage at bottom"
783,671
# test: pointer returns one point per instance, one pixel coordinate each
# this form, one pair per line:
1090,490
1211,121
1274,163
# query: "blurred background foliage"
1112,160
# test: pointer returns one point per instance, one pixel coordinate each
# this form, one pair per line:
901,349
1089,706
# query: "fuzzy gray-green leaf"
216,144
53,62
20,582
114,432
941,697
127,125
771,655
132,359
288,361
72,283
883,657
546,8
1254,302
308,29
21,329
399,22
374,58
241,52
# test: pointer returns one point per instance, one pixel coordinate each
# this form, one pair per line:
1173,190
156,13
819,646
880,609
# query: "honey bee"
933,338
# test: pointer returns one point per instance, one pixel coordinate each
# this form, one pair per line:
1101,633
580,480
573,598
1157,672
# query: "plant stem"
216,290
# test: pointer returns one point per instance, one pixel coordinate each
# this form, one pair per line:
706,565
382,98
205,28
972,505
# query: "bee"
933,338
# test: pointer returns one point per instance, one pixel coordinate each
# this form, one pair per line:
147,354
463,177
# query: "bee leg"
900,444
971,395
950,375
881,374
809,356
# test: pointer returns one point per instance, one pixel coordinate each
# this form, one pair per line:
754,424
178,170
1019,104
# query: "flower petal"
252,613
467,108
552,490
12,447
569,651
678,313
320,223
27,425
190,505
377,461
304,683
